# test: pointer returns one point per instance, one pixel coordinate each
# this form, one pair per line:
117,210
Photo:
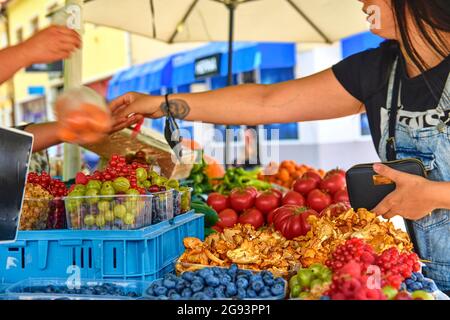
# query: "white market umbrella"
305,21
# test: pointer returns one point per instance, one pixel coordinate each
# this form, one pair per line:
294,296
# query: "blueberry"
217,271
209,292
265,293
246,273
188,276
242,294
408,282
231,290
160,291
403,287
199,296
257,286
158,283
212,281
163,298
268,281
219,292
175,296
325,298
205,272
224,279
196,286
242,283
279,281
169,284
132,294
171,292
234,268
181,284
186,293
277,289
251,294
198,279
420,277
413,277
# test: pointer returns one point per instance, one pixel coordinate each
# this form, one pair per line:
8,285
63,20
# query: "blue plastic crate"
144,254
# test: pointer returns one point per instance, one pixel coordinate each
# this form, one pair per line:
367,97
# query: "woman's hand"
49,45
414,197
131,107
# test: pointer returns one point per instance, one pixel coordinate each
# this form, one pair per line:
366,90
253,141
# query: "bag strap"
391,153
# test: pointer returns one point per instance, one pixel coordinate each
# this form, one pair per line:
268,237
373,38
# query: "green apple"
121,184
295,291
80,188
120,211
104,206
107,190
304,295
305,277
109,216
133,192
141,174
94,184
89,220
293,281
100,220
129,219
173,184
390,292
422,295
147,184
92,195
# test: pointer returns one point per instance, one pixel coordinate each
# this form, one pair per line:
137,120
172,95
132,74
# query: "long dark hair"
431,18
434,14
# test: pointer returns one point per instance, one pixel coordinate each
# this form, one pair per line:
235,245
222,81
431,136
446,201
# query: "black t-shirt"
366,76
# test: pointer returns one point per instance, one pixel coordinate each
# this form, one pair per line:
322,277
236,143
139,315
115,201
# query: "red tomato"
341,196
217,228
277,193
241,200
270,216
252,191
252,216
313,175
333,183
318,200
266,202
305,185
293,198
227,218
336,209
218,202
335,171
292,221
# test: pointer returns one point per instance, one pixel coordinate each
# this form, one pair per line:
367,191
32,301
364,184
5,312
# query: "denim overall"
432,147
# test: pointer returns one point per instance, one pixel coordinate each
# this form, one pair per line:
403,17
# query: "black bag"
366,189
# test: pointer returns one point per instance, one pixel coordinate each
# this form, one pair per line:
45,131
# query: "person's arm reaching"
51,44
317,97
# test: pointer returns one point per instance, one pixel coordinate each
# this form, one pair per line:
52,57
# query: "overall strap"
394,102
444,103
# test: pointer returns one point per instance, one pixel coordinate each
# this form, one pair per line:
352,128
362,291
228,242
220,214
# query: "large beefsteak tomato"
292,221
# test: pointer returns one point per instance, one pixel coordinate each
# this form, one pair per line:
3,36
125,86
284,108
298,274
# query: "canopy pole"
231,9
73,78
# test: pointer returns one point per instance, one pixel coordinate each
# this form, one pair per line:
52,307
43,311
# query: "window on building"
34,25
365,129
19,35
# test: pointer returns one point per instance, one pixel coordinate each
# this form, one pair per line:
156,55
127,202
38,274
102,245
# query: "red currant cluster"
353,250
396,266
350,283
56,187
57,214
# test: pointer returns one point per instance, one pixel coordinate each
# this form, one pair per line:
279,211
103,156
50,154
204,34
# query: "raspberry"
353,249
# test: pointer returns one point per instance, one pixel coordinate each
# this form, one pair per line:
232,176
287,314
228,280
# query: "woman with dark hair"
404,86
